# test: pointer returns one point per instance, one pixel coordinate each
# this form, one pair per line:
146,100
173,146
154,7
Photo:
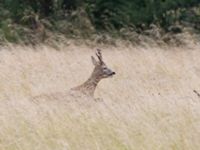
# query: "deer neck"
89,86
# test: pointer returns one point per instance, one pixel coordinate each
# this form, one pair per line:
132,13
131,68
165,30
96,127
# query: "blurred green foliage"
106,15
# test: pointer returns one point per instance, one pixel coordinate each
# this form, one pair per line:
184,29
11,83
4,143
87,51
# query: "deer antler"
99,55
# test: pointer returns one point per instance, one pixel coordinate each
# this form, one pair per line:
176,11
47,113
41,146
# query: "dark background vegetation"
28,19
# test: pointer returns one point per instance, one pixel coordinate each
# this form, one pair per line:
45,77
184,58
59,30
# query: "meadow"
150,103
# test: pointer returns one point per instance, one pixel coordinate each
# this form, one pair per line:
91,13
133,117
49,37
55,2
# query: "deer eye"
104,68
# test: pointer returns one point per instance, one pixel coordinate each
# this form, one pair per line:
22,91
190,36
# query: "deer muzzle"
112,73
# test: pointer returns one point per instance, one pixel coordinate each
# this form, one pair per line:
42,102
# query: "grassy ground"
148,105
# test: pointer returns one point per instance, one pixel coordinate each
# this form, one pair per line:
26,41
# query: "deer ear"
94,61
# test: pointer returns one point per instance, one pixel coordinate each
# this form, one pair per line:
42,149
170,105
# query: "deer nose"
113,73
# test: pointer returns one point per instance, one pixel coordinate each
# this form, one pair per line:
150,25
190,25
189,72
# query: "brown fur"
100,71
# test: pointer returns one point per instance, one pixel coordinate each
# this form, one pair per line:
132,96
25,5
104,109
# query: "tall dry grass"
148,105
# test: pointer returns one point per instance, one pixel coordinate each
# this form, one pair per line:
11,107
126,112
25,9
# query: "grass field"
150,103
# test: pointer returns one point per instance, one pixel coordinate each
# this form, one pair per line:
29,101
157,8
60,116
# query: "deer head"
101,70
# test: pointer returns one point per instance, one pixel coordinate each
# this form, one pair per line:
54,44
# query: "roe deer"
100,71
87,88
